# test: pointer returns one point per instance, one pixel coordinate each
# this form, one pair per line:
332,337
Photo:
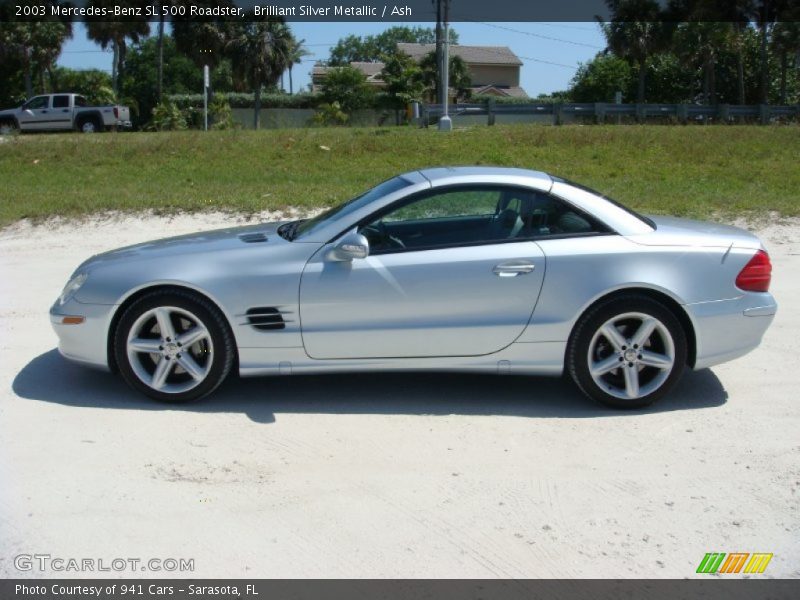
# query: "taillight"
756,274
116,112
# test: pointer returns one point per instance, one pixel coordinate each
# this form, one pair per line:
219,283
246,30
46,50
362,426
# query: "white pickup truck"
63,112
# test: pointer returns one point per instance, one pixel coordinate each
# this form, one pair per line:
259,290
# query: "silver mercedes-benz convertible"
491,270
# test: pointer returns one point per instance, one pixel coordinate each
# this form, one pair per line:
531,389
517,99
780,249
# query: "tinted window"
81,101
548,216
60,101
37,103
474,215
630,211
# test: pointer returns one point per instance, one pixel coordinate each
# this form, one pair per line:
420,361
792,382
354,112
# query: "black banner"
381,10
416,589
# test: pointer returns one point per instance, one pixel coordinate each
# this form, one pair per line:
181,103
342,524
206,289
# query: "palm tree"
259,52
298,51
458,76
116,35
786,42
203,41
636,32
36,45
699,43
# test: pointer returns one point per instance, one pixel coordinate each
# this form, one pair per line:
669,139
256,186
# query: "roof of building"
476,55
499,90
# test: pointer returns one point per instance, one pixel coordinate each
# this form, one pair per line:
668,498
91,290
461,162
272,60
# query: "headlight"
73,285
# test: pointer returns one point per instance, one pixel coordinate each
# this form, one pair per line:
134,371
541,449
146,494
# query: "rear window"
630,211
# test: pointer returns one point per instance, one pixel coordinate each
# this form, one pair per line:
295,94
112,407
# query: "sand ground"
386,475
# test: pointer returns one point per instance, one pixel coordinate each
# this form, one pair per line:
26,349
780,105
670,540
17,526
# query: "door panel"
61,112
463,301
35,114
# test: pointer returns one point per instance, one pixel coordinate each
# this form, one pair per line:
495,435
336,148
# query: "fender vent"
264,318
253,238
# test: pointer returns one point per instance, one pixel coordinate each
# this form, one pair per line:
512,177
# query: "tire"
160,366
627,352
8,127
90,125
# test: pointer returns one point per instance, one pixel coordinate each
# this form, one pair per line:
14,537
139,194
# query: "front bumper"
728,329
87,342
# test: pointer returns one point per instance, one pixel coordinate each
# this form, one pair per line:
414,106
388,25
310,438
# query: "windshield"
331,215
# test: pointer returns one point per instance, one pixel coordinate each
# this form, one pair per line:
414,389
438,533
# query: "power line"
538,35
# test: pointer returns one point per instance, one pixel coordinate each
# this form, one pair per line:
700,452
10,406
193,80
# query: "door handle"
513,269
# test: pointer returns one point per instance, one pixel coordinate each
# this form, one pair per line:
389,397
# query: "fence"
600,112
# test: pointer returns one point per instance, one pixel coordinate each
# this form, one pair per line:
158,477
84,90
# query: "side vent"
265,318
253,238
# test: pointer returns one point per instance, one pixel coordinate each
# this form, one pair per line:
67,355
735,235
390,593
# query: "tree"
459,78
203,41
403,78
259,52
636,32
139,85
116,35
34,46
376,48
601,78
698,44
296,55
94,84
786,43
348,87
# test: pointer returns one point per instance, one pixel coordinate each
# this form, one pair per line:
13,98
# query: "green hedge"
237,100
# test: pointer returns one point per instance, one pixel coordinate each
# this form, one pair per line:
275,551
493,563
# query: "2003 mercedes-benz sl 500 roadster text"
452,269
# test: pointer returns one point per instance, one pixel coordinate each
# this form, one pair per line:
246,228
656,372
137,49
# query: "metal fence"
600,112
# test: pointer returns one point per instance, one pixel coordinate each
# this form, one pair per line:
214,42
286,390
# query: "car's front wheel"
627,352
173,346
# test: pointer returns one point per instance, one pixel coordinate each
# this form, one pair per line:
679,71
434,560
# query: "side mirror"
352,245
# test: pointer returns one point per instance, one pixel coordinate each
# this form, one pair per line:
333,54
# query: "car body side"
691,271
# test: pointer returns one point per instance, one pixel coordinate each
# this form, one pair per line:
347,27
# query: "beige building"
494,70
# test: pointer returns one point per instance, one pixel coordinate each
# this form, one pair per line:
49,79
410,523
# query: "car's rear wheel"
91,125
173,346
627,352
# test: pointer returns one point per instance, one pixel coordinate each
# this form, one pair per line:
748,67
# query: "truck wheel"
90,126
8,127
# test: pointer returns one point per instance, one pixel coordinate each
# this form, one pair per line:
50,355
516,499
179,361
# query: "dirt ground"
386,475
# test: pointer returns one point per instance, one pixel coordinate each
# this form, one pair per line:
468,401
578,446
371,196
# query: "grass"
687,171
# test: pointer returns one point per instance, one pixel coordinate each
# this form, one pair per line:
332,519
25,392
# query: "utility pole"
445,123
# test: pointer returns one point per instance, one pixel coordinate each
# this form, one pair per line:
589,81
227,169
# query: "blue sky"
550,51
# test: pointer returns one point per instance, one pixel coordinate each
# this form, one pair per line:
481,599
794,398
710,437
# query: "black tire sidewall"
211,318
594,318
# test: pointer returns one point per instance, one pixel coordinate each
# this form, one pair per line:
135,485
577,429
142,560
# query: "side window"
548,215
61,101
461,203
37,103
81,101
449,218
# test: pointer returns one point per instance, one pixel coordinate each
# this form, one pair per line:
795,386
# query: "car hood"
8,112
673,231
204,242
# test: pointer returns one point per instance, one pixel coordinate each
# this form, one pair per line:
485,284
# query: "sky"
550,52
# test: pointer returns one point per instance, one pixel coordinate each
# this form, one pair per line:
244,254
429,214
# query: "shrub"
330,115
167,117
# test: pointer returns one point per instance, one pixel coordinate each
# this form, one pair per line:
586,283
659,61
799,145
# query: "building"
494,70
